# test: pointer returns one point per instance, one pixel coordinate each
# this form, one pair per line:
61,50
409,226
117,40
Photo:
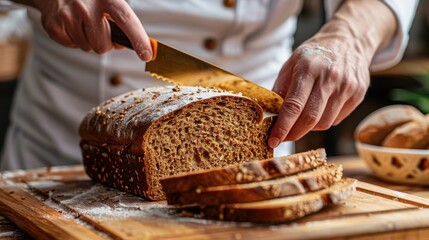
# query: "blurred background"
15,34
406,83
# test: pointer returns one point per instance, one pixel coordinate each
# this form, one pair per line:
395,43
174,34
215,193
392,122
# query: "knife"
175,66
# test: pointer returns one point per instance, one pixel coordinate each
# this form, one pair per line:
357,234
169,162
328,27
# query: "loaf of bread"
131,141
313,180
413,135
252,171
377,125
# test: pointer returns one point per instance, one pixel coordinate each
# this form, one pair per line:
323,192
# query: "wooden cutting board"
63,203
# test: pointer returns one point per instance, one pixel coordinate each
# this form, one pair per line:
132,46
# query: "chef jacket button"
210,43
115,80
229,3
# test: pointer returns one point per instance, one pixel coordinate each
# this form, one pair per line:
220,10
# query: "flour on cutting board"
112,203
65,212
99,202
45,184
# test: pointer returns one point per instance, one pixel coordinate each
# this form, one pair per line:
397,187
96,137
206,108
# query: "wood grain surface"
63,203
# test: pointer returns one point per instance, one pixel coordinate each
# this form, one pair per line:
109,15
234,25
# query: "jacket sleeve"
390,55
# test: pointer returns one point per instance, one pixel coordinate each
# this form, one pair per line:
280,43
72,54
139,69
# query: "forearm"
366,25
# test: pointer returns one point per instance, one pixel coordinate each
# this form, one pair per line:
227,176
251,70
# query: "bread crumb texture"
131,141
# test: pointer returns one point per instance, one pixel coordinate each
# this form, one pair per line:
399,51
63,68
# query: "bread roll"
377,125
414,134
131,141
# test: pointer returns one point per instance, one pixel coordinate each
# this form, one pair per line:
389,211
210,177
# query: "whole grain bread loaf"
253,171
131,141
313,180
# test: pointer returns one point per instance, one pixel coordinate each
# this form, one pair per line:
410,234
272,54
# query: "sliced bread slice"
319,178
281,209
252,171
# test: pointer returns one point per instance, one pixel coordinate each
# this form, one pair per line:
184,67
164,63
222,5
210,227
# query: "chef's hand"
83,24
326,78
322,83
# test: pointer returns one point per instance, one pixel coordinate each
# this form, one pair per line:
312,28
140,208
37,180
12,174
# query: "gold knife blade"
172,65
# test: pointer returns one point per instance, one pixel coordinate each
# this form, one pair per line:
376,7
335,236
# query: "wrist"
364,26
344,37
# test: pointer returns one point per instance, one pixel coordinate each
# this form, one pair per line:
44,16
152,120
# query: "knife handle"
118,36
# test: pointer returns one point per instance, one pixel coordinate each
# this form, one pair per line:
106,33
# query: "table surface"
353,167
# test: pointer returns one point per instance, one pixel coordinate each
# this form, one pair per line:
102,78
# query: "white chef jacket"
60,85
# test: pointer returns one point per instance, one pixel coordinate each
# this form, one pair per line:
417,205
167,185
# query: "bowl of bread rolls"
394,142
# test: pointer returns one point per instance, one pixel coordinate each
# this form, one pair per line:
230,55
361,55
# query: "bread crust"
309,181
116,166
127,117
252,171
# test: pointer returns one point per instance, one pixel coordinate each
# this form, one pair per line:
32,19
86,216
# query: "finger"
97,32
118,46
56,31
350,105
77,34
330,113
124,17
325,102
282,83
294,102
311,114
357,97
74,29
339,89
71,40
343,113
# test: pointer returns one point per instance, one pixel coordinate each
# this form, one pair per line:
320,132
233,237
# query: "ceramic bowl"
409,166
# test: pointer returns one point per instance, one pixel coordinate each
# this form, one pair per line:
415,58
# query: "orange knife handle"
118,36
154,44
